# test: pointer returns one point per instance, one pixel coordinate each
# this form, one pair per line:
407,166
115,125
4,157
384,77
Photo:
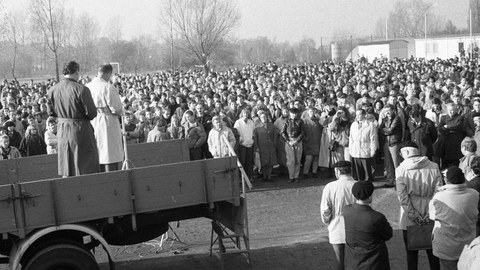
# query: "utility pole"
171,37
471,44
386,28
321,48
425,35
351,44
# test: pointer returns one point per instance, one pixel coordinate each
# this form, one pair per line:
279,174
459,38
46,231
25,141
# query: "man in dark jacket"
422,131
391,129
195,136
206,121
72,104
366,231
451,127
293,133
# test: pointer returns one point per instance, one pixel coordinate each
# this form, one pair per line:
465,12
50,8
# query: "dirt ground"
286,232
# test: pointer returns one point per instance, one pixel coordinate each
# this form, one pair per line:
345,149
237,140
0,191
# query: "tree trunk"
206,66
57,72
14,59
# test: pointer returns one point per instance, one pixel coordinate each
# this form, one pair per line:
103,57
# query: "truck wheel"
62,257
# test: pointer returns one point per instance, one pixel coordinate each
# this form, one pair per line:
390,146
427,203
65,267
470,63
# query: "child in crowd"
159,133
51,136
6,150
175,130
33,144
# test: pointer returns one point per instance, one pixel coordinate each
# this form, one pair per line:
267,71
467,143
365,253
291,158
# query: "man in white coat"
362,143
107,123
417,180
336,195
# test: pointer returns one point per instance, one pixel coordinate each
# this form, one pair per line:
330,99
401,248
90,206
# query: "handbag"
333,145
419,236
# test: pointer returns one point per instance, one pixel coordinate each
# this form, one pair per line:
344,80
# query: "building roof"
381,42
464,36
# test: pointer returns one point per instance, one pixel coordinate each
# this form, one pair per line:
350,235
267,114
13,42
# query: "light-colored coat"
362,140
455,212
216,145
51,141
107,125
336,195
418,179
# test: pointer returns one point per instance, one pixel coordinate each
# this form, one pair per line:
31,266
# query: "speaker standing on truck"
107,123
72,104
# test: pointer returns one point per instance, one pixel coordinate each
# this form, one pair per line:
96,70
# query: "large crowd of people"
384,118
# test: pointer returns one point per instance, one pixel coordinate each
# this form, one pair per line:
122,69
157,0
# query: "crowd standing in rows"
410,115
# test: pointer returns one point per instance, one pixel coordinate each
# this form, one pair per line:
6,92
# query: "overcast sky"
283,20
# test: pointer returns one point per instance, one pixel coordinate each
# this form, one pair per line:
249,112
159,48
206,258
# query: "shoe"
296,180
305,176
291,180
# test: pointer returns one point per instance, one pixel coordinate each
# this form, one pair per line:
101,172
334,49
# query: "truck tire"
62,257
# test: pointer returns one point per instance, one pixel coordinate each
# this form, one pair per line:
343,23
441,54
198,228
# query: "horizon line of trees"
36,41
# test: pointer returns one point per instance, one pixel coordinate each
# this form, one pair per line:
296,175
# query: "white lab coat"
107,124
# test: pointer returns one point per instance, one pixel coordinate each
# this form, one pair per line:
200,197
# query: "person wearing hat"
417,180
454,210
366,231
293,133
14,135
336,195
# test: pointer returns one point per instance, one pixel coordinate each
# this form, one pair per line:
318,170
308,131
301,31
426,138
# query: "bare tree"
16,32
114,29
202,25
48,17
407,19
87,31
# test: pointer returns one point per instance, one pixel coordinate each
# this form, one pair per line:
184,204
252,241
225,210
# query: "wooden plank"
169,186
4,180
7,214
38,208
93,196
46,166
37,168
222,185
157,153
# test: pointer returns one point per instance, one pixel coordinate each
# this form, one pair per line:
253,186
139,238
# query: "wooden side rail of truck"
47,222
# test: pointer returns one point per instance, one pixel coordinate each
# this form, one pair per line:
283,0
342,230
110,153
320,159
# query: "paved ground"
285,230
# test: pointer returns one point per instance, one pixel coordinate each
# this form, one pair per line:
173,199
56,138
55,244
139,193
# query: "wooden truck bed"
32,196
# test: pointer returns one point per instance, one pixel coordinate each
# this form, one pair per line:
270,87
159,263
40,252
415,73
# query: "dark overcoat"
72,103
452,136
366,231
423,134
265,140
313,132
